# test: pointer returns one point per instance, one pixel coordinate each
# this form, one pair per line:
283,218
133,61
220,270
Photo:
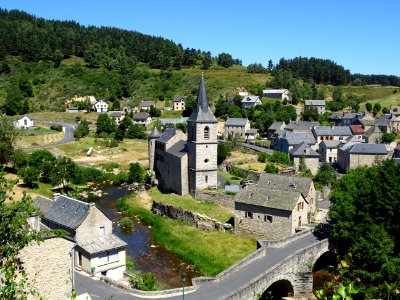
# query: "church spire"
202,112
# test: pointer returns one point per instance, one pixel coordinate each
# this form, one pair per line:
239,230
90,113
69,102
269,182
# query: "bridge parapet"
285,241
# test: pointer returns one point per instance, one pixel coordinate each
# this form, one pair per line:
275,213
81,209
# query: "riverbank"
209,252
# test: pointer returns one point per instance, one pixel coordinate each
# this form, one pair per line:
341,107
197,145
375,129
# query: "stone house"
395,110
236,127
25,122
98,251
331,133
100,106
318,104
301,126
142,118
118,116
328,151
389,123
49,266
353,155
303,152
187,163
277,125
250,101
288,140
146,105
179,102
281,94
269,214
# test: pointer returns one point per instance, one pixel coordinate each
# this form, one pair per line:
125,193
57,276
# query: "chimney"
56,196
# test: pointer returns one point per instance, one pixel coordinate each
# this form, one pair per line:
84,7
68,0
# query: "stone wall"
228,167
198,220
221,199
90,227
48,266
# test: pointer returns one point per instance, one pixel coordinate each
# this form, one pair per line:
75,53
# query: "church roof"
155,133
178,149
202,112
167,135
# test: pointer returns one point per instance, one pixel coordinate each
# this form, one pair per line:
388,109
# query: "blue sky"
362,36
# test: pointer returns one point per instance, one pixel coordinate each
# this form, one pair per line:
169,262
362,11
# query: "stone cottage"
275,207
236,127
303,152
98,251
186,164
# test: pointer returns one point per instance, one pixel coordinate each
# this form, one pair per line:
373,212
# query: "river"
147,256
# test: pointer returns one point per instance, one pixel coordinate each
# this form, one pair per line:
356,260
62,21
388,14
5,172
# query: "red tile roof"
356,129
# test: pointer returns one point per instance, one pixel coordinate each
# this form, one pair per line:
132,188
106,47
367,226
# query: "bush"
120,178
144,282
263,156
280,158
56,127
126,222
270,168
109,167
237,172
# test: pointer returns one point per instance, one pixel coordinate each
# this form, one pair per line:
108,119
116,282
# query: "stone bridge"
282,268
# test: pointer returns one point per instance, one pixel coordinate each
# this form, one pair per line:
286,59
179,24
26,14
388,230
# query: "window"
206,160
102,231
206,133
268,218
248,214
206,179
108,257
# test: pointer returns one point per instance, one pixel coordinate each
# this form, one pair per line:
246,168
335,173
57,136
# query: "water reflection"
148,256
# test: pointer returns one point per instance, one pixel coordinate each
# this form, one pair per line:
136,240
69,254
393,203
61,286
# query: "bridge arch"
321,272
279,289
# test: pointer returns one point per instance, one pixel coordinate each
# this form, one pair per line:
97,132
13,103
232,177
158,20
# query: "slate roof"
147,103
285,183
167,134
67,212
141,116
179,149
179,98
250,99
314,102
276,125
332,130
303,150
251,131
357,115
102,243
294,138
42,203
115,114
384,120
202,112
236,122
155,134
363,148
282,200
330,143
301,125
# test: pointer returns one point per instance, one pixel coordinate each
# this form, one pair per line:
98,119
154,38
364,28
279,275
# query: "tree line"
37,39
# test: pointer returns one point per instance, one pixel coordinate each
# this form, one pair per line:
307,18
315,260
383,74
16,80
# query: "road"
69,130
219,290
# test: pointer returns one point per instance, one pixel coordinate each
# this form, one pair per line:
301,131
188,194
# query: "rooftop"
276,125
179,149
294,138
141,116
330,144
278,199
275,91
314,102
102,243
363,148
303,150
147,103
179,98
250,99
301,125
285,183
332,130
202,112
236,122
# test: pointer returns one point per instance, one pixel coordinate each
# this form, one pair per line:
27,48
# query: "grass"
171,114
230,177
393,99
34,140
207,208
210,252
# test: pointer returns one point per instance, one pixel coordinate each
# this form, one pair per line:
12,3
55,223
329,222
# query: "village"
183,160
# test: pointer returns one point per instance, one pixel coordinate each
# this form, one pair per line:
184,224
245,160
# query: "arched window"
206,133
206,179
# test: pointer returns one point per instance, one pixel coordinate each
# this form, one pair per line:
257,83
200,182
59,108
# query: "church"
184,164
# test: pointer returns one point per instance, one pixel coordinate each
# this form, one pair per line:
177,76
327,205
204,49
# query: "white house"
100,106
25,122
142,118
250,101
281,94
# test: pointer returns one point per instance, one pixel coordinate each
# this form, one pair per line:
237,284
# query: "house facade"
250,101
142,118
146,105
331,133
97,251
25,122
100,106
329,151
118,116
236,127
353,155
303,153
179,102
281,94
317,104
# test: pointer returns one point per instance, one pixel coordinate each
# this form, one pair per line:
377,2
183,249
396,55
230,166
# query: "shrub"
120,178
109,167
270,168
280,158
126,222
237,172
56,127
263,156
